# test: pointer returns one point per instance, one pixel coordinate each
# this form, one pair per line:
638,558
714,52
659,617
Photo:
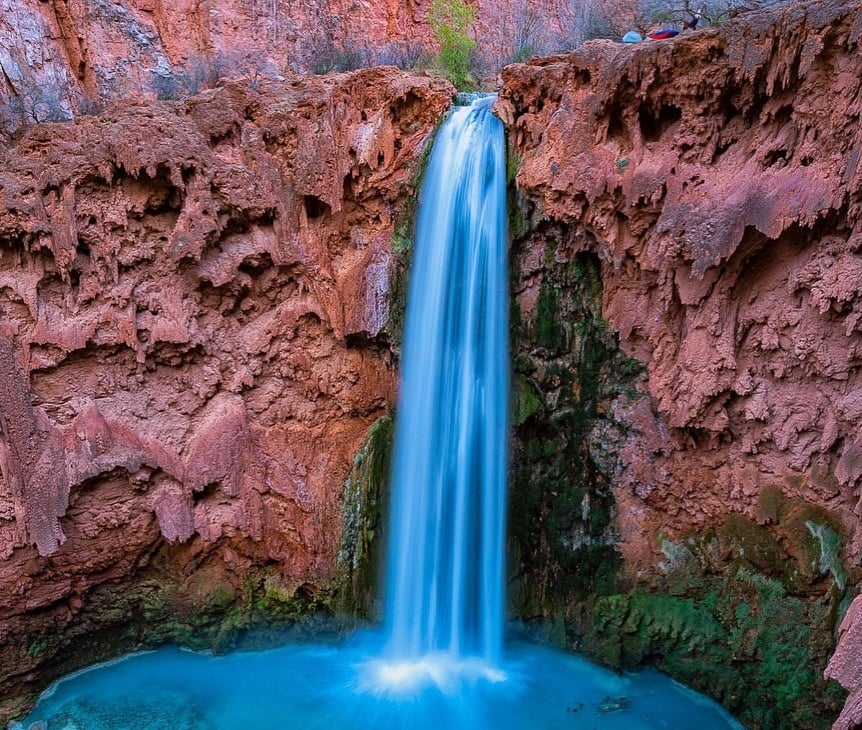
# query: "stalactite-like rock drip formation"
194,302
717,179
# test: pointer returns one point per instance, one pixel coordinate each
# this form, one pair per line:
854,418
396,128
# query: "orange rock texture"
102,48
717,177
846,666
59,57
194,301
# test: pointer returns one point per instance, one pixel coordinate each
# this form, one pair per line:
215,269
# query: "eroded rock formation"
716,178
194,302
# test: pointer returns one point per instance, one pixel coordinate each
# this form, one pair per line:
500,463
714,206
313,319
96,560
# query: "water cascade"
444,611
445,571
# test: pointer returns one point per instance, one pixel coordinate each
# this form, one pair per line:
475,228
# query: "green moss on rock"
363,507
739,611
550,333
742,538
567,369
741,638
769,504
526,400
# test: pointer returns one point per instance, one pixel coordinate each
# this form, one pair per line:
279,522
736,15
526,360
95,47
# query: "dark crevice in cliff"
568,372
315,207
654,125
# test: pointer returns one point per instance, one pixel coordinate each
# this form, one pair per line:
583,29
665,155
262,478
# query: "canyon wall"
699,504
59,58
200,305
69,53
194,341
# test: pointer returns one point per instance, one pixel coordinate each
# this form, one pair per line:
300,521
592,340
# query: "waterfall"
444,612
444,591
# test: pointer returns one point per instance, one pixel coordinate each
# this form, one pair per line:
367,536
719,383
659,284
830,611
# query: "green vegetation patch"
363,511
451,22
741,639
568,367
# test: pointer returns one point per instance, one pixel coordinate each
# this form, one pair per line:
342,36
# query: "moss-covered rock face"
568,369
221,617
744,611
725,628
365,492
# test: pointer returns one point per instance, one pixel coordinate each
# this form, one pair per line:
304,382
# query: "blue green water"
338,687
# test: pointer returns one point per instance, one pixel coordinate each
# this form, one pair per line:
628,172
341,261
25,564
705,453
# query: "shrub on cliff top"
451,21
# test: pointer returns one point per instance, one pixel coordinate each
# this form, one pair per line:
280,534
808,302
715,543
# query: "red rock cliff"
717,177
193,310
60,56
102,48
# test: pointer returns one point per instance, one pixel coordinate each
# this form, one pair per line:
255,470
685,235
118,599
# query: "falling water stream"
445,579
440,660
